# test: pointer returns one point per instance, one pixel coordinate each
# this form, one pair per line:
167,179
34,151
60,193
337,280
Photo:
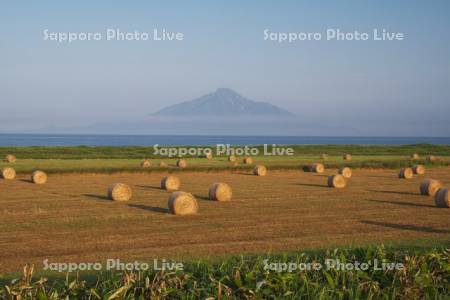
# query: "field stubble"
69,219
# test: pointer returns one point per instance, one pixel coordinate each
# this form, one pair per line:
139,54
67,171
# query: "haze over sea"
203,140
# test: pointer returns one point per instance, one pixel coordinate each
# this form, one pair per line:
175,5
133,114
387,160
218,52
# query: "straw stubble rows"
285,210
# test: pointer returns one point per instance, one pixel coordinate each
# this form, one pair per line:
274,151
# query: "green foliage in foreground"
425,275
80,152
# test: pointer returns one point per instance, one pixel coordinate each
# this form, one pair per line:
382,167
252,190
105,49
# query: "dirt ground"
69,219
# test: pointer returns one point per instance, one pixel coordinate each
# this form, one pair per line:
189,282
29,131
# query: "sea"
204,140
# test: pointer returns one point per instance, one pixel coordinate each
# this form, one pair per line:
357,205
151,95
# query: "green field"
419,273
119,159
137,152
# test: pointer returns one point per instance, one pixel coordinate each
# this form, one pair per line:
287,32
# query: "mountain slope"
223,102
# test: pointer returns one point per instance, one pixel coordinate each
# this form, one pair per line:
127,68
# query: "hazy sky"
378,87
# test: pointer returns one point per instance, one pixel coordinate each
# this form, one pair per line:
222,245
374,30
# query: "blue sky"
376,87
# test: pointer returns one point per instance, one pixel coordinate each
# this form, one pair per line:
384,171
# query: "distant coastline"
149,140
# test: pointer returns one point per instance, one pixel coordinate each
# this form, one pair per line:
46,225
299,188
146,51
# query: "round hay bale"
163,164
8,173
419,169
9,158
146,163
248,160
260,170
220,192
170,183
39,177
431,158
182,203
406,173
347,156
346,172
323,156
119,192
429,187
317,168
181,163
209,155
232,158
336,181
415,156
442,198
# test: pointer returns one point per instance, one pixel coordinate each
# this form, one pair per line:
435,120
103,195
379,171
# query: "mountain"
223,102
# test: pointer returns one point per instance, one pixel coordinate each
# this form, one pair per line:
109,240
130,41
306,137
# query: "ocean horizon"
203,140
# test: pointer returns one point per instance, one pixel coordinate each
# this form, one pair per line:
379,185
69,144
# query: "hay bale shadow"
97,197
383,176
313,185
245,173
306,169
408,227
150,208
403,203
394,192
202,197
151,187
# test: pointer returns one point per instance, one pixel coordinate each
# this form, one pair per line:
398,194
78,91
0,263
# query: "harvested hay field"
285,210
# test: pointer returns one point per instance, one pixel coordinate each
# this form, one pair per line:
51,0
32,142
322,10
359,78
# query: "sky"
373,88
